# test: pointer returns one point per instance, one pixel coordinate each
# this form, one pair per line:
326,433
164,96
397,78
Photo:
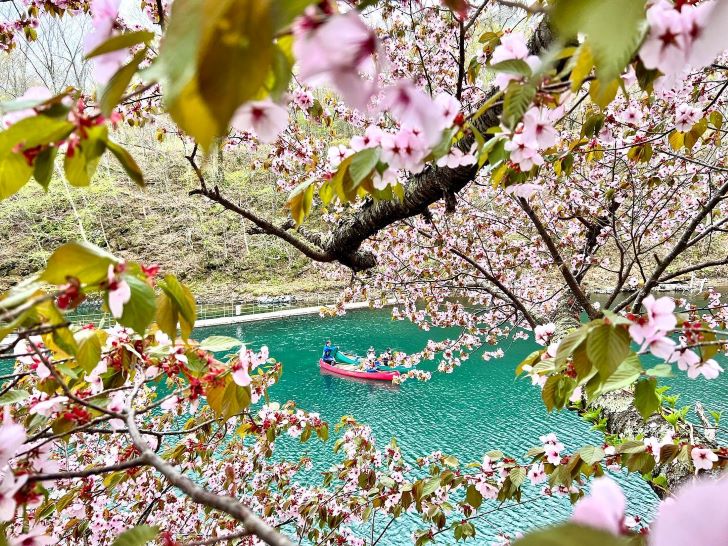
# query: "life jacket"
327,352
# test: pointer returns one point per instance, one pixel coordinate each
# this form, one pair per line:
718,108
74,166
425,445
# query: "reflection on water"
477,408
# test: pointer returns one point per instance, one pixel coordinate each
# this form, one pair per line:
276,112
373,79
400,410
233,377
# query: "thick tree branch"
571,281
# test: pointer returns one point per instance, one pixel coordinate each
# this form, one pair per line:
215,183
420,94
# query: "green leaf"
661,370
184,302
513,66
136,536
127,161
362,164
602,94
167,316
613,30
569,344
300,201
645,398
84,261
517,99
217,344
88,353
517,476
626,374
43,166
80,164
282,66
570,534
582,67
591,455
141,308
35,131
122,41
239,41
607,346
13,397
473,497
115,88
14,173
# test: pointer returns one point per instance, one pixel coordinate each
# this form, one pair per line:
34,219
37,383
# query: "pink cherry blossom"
415,109
12,436
338,153
521,154
543,333
686,359
698,514
661,312
524,191
703,459
686,116
8,488
264,118
538,129
170,403
241,368
371,138
603,508
35,537
36,93
449,108
661,346
303,99
456,158
705,24
709,369
405,150
104,14
337,52
387,178
665,47
536,473
50,406
512,46
119,293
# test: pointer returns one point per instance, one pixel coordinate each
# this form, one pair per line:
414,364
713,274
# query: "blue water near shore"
477,408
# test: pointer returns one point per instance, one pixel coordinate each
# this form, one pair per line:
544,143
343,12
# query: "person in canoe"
328,353
386,357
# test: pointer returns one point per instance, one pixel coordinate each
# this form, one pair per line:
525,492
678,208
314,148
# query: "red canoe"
354,371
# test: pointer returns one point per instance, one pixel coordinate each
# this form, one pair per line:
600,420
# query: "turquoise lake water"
477,408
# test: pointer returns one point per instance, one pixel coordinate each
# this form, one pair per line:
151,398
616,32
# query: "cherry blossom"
337,52
603,508
241,368
371,138
521,154
456,158
538,129
703,459
50,406
104,14
666,45
512,46
414,109
709,369
8,488
12,436
35,537
338,153
536,473
35,93
543,333
119,293
686,116
697,514
264,118
524,191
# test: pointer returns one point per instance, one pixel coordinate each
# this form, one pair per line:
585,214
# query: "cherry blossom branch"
559,261
85,473
199,495
223,538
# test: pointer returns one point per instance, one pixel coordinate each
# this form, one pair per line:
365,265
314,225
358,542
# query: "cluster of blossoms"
683,34
687,518
651,332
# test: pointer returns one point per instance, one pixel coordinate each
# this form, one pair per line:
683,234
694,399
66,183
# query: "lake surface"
477,408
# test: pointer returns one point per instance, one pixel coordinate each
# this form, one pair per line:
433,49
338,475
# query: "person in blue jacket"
329,352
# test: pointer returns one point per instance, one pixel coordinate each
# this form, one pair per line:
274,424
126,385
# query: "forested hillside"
201,243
